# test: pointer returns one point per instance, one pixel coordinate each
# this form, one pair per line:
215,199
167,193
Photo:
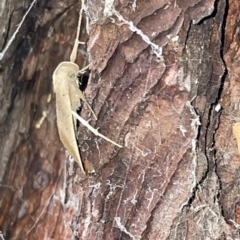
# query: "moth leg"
83,70
95,131
81,96
75,93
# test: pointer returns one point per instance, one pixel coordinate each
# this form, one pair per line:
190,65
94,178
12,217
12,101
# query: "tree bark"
163,83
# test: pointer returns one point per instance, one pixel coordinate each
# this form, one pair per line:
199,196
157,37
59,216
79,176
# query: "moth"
236,132
68,95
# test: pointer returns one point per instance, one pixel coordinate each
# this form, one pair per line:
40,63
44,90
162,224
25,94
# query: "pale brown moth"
236,133
68,97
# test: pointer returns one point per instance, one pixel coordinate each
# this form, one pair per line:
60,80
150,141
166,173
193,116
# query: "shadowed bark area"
177,175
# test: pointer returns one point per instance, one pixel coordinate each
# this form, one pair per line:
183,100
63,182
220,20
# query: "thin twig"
16,31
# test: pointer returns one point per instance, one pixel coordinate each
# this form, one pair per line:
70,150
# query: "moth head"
67,69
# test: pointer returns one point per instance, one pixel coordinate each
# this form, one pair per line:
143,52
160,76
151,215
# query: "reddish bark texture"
177,175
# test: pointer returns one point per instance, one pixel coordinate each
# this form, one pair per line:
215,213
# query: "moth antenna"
73,55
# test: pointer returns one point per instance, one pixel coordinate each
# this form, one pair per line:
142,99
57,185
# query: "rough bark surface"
177,175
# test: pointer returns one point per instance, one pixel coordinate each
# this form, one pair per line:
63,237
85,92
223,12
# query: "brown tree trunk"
177,175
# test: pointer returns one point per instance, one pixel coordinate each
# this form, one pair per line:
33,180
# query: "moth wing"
236,132
65,125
